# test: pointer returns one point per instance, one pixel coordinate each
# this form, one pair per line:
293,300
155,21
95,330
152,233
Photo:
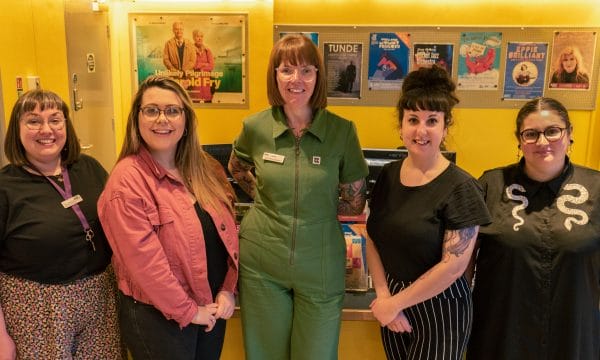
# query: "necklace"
58,177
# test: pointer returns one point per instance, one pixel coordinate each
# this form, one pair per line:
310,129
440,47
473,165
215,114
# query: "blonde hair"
570,50
202,174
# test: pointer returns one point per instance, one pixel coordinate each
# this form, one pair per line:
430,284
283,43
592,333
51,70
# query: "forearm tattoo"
456,242
241,172
353,197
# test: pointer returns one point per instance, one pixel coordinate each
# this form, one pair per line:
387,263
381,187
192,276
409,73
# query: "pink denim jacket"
159,254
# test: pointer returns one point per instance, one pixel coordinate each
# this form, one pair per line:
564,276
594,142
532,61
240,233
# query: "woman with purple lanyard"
57,291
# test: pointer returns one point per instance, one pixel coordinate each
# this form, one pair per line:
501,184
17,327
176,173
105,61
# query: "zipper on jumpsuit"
296,181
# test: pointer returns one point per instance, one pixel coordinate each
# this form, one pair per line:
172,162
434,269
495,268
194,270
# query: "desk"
356,306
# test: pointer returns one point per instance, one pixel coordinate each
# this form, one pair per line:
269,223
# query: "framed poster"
388,60
572,59
425,55
479,60
343,62
205,53
525,70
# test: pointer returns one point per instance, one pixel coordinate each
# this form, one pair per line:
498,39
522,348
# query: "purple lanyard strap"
67,194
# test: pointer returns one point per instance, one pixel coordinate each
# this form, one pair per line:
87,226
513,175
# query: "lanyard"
71,201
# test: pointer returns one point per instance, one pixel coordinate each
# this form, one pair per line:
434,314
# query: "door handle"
77,101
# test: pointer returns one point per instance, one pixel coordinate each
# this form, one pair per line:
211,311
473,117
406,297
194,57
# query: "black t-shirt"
537,283
407,224
42,241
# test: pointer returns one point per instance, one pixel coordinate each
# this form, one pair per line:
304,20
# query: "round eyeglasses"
152,113
552,134
37,123
305,73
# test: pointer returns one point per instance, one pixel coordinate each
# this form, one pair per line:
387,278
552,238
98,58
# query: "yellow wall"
33,43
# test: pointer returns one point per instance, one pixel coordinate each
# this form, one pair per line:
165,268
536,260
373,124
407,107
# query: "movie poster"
314,36
572,60
388,60
425,55
479,60
343,62
205,53
525,70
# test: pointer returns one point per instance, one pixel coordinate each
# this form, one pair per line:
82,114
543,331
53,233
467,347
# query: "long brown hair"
196,167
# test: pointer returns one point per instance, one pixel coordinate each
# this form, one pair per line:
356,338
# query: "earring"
518,152
570,148
184,131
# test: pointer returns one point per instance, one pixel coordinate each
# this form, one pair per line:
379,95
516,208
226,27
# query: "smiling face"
296,83
423,131
43,147
160,135
543,157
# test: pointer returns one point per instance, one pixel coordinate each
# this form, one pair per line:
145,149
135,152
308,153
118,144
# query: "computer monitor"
221,153
376,158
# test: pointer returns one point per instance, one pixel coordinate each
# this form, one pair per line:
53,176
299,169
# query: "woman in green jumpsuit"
308,168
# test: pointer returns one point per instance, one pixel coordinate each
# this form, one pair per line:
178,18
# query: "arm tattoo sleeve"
241,172
353,197
456,242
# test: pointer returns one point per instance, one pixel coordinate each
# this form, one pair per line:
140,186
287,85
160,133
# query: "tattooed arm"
353,197
456,253
242,173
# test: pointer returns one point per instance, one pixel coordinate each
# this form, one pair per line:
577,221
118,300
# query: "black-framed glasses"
152,113
36,123
552,134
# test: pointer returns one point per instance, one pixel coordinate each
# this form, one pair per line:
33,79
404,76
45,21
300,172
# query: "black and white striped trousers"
440,326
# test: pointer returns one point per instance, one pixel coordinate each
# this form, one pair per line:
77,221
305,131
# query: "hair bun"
434,78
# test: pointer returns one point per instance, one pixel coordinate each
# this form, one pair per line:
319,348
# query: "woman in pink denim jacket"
167,213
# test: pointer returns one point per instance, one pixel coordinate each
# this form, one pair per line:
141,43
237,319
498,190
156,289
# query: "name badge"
72,201
273,157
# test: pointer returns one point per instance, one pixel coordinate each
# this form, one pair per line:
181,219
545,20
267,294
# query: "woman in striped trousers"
425,215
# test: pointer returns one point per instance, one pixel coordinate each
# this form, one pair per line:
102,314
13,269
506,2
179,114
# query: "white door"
88,58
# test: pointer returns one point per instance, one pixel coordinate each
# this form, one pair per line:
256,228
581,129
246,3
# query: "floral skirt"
77,320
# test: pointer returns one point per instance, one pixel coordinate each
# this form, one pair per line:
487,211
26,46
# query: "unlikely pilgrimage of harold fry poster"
572,60
388,60
525,70
205,53
479,60
425,55
343,62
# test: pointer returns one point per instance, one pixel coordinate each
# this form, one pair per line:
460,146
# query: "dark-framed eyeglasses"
552,134
36,123
152,113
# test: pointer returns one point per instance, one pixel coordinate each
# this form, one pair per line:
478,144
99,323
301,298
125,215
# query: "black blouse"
40,240
407,224
537,284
